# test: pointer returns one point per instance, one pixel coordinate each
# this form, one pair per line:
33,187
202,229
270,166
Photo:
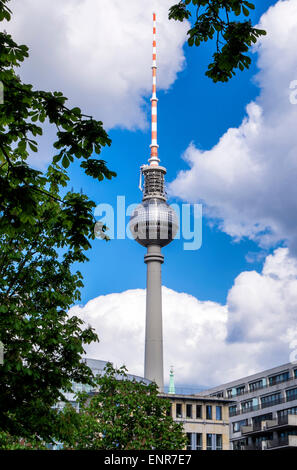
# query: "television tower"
154,224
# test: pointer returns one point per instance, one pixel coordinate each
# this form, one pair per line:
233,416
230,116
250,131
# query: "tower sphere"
154,222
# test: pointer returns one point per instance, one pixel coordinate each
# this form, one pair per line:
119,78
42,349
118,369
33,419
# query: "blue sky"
229,307
193,109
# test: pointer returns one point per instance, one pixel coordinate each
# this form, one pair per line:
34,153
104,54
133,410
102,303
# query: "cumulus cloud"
248,179
99,52
208,343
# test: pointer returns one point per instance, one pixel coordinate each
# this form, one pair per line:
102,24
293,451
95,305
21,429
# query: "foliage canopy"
218,19
43,235
122,414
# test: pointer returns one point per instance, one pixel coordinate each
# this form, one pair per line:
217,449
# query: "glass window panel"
284,376
178,410
198,441
218,412
208,412
198,411
209,441
291,394
189,411
219,442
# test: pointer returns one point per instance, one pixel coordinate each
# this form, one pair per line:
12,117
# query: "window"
189,411
232,410
237,425
209,442
256,385
214,441
240,390
208,412
219,442
284,436
259,439
295,373
198,411
288,411
189,441
218,394
283,377
291,394
271,400
246,405
240,444
218,413
198,441
233,392
178,410
258,419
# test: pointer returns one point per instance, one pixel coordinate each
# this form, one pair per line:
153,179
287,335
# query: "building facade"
264,415
205,420
97,366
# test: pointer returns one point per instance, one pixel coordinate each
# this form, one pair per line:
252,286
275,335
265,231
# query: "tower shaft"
153,360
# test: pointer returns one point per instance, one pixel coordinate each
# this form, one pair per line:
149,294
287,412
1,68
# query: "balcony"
292,397
286,442
236,394
267,385
278,401
253,447
246,429
289,441
262,406
268,425
262,426
290,420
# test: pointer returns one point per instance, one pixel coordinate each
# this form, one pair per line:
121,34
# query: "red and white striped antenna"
154,160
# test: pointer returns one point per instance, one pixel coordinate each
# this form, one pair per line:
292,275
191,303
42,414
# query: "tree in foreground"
44,233
122,415
9,442
218,20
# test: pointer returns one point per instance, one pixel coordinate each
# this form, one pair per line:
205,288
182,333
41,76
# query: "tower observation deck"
154,224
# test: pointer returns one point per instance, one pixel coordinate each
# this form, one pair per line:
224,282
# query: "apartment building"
205,420
264,415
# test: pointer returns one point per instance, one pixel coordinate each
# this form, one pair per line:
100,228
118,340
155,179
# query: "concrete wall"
202,425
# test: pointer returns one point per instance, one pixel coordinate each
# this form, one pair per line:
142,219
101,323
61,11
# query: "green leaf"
32,146
245,11
191,41
65,161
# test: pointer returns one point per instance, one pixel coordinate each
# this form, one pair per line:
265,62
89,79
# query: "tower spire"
154,160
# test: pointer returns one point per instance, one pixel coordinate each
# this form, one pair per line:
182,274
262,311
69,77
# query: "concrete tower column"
154,224
153,361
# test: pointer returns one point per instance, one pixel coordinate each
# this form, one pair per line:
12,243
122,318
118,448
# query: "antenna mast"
154,160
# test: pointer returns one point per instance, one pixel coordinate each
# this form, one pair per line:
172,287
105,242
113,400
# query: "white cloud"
98,52
248,179
208,343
